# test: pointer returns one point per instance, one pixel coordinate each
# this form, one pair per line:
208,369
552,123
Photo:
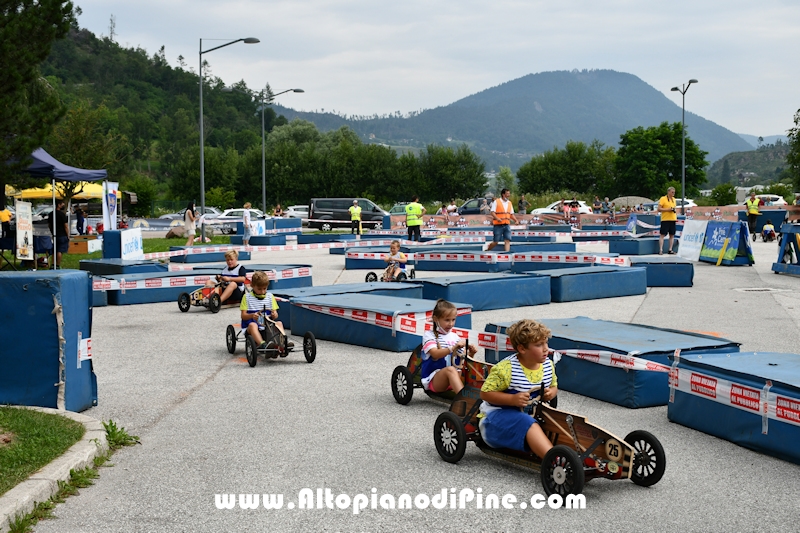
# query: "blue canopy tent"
46,166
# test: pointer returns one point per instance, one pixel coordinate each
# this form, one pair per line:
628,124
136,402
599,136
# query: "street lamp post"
270,96
248,40
682,90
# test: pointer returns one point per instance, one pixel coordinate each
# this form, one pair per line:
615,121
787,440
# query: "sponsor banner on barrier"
103,284
739,396
692,238
463,257
571,258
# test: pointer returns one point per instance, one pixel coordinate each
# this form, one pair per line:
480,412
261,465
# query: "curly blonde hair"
527,331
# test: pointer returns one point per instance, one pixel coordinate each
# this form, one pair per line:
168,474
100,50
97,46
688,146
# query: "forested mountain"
753,167
510,123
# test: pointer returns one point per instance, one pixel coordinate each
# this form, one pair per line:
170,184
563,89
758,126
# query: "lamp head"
251,40
674,89
298,90
693,81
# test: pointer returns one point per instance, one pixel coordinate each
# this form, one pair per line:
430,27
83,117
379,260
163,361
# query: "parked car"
327,213
652,207
473,207
398,208
211,212
297,211
237,214
772,199
554,208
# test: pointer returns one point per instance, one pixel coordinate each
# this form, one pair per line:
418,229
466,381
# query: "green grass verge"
36,439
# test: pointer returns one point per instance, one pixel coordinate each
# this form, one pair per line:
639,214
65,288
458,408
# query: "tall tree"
793,158
29,107
649,158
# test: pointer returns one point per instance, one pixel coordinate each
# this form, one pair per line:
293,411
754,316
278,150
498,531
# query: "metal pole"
683,152
263,160
202,159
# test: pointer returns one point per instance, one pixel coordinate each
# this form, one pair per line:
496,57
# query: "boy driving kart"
259,308
396,262
231,280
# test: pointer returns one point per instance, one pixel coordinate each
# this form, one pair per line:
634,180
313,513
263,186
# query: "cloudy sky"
364,57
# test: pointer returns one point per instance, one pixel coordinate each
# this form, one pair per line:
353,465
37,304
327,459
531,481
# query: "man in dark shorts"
669,218
62,231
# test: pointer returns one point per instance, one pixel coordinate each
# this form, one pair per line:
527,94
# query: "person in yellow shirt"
5,219
753,204
669,218
355,218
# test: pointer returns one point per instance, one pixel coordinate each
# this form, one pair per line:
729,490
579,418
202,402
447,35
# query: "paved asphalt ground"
210,424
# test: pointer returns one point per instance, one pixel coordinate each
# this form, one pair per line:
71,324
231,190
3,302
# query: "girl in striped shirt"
440,347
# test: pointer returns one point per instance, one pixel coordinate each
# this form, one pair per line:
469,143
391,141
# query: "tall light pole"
270,97
682,90
248,40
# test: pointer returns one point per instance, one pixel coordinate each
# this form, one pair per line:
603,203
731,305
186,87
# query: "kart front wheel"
183,302
402,276
214,303
251,351
402,385
450,437
372,277
649,459
230,338
562,472
309,347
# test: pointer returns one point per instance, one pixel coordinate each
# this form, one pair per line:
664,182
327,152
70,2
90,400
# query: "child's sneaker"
263,345
290,344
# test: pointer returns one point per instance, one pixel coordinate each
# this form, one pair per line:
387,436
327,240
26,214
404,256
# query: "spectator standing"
278,211
355,218
502,214
80,221
61,235
189,223
597,206
452,209
414,212
753,204
5,219
247,225
523,205
669,218
604,206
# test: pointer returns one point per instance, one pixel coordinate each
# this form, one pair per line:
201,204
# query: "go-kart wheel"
562,472
230,338
450,437
183,302
309,347
649,460
251,350
371,277
402,385
214,303
401,276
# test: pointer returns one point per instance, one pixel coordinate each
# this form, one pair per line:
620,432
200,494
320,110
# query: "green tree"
146,192
726,173
723,194
505,180
578,167
29,106
648,158
793,158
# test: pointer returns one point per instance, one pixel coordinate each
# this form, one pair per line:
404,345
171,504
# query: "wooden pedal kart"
407,378
581,451
402,276
209,297
278,344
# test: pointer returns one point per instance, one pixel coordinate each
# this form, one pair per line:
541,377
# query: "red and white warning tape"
103,284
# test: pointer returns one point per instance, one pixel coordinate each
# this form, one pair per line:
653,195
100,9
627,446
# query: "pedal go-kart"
407,378
581,451
277,343
386,276
209,297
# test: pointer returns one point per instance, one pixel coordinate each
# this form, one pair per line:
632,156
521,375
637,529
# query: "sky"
360,57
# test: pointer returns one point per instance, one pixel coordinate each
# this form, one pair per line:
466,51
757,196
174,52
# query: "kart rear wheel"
649,459
214,303
562,472
402,385
251,351
401,276
230,338
450,437
372,277
183,302
309,347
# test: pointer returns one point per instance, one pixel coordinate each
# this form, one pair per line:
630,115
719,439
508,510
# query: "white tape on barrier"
743,397
103,284
463,257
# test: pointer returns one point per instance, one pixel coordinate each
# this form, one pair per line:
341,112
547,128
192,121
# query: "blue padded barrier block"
399,290
99,298
162,286
628,388
329,237
260,240
522,264
604,227
103,267
666,270
488,291
285,277
32,365
736,416
520,238
203,257
590,283
338,329
577,237
559,228
640,246
287,223
775,215
462,262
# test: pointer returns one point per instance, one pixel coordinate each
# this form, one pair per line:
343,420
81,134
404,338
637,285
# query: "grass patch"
37,439
118,437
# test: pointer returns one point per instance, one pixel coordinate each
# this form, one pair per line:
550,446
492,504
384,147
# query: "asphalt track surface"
210,424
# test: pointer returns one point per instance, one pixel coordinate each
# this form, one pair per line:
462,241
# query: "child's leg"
226,293
252,329
210,283
537,441
448,376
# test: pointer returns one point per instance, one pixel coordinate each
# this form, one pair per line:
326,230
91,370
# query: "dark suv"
473,207
328,213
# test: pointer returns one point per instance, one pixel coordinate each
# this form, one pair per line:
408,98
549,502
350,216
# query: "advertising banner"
110,197
692,238
24,230
131,242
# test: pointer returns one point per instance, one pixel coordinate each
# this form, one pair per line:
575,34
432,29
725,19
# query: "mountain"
753,167
509,123
770,139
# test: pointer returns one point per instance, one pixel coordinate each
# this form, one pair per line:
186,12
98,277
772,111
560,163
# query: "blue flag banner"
737,252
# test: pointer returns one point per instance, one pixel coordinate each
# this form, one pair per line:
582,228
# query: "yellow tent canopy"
10,191
88,191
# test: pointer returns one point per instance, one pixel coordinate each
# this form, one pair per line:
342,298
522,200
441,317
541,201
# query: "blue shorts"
247,233
506,428
62,245
501,233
